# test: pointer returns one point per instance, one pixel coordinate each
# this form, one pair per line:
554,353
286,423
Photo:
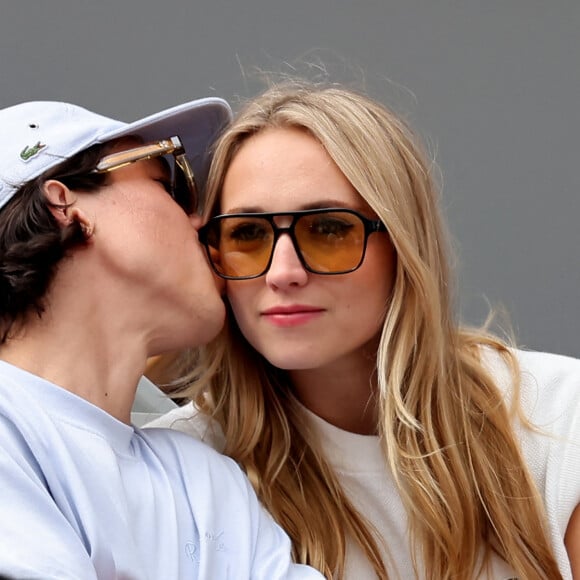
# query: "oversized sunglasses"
327,241
182,187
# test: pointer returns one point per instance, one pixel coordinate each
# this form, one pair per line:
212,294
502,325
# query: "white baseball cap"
39,135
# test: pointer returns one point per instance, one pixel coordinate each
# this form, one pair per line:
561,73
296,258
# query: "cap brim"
197,124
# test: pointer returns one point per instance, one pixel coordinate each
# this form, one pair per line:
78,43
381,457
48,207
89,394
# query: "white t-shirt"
551,400
84,496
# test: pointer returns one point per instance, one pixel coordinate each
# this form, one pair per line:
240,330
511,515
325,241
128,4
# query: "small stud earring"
87,230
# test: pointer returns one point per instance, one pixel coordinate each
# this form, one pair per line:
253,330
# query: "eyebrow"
321,204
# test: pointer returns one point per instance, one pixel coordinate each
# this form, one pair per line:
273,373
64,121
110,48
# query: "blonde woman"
388,441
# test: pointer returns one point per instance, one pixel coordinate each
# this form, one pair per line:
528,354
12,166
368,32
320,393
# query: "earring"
87,230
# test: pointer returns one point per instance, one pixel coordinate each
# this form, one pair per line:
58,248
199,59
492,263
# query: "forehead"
281,169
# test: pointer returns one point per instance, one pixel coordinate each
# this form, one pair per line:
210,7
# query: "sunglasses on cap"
182,188
327,241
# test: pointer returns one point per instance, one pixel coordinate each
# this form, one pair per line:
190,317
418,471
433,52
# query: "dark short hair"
32,243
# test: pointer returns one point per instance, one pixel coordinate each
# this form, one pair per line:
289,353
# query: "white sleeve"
36,539
188,419
550,397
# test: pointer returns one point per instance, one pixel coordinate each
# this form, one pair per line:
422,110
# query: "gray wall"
493,86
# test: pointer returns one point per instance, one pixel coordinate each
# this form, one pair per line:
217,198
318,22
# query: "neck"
344,395
90,367
85,347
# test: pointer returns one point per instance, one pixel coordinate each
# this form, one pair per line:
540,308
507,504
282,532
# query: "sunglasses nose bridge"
289,230
286,264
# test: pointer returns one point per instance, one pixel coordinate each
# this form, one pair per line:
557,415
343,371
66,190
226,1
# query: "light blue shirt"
85,496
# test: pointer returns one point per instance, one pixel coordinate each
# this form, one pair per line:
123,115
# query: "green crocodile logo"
29,152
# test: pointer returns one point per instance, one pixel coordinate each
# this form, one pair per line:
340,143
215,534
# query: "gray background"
492,86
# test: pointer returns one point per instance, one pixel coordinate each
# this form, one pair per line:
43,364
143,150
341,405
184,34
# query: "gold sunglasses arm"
123,158
185,167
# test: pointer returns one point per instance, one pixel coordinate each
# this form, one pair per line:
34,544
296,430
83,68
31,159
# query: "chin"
194,331
293,363
209,327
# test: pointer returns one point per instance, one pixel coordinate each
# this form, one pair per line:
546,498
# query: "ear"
62,202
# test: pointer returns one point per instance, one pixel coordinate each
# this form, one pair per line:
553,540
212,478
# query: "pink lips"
293,315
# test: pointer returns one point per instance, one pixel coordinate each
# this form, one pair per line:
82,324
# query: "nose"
285,269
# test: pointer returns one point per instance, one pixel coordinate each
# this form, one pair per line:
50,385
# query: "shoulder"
547,395
548,366
26,427
213,484
17,451
179,452
549,399
549,383
189,419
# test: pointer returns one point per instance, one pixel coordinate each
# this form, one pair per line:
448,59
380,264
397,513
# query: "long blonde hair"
445,431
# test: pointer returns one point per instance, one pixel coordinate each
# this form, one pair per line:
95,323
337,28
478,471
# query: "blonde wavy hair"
446,432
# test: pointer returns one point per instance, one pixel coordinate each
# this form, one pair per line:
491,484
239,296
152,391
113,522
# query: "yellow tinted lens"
331,241
245,246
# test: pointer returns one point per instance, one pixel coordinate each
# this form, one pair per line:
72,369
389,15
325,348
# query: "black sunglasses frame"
370,227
